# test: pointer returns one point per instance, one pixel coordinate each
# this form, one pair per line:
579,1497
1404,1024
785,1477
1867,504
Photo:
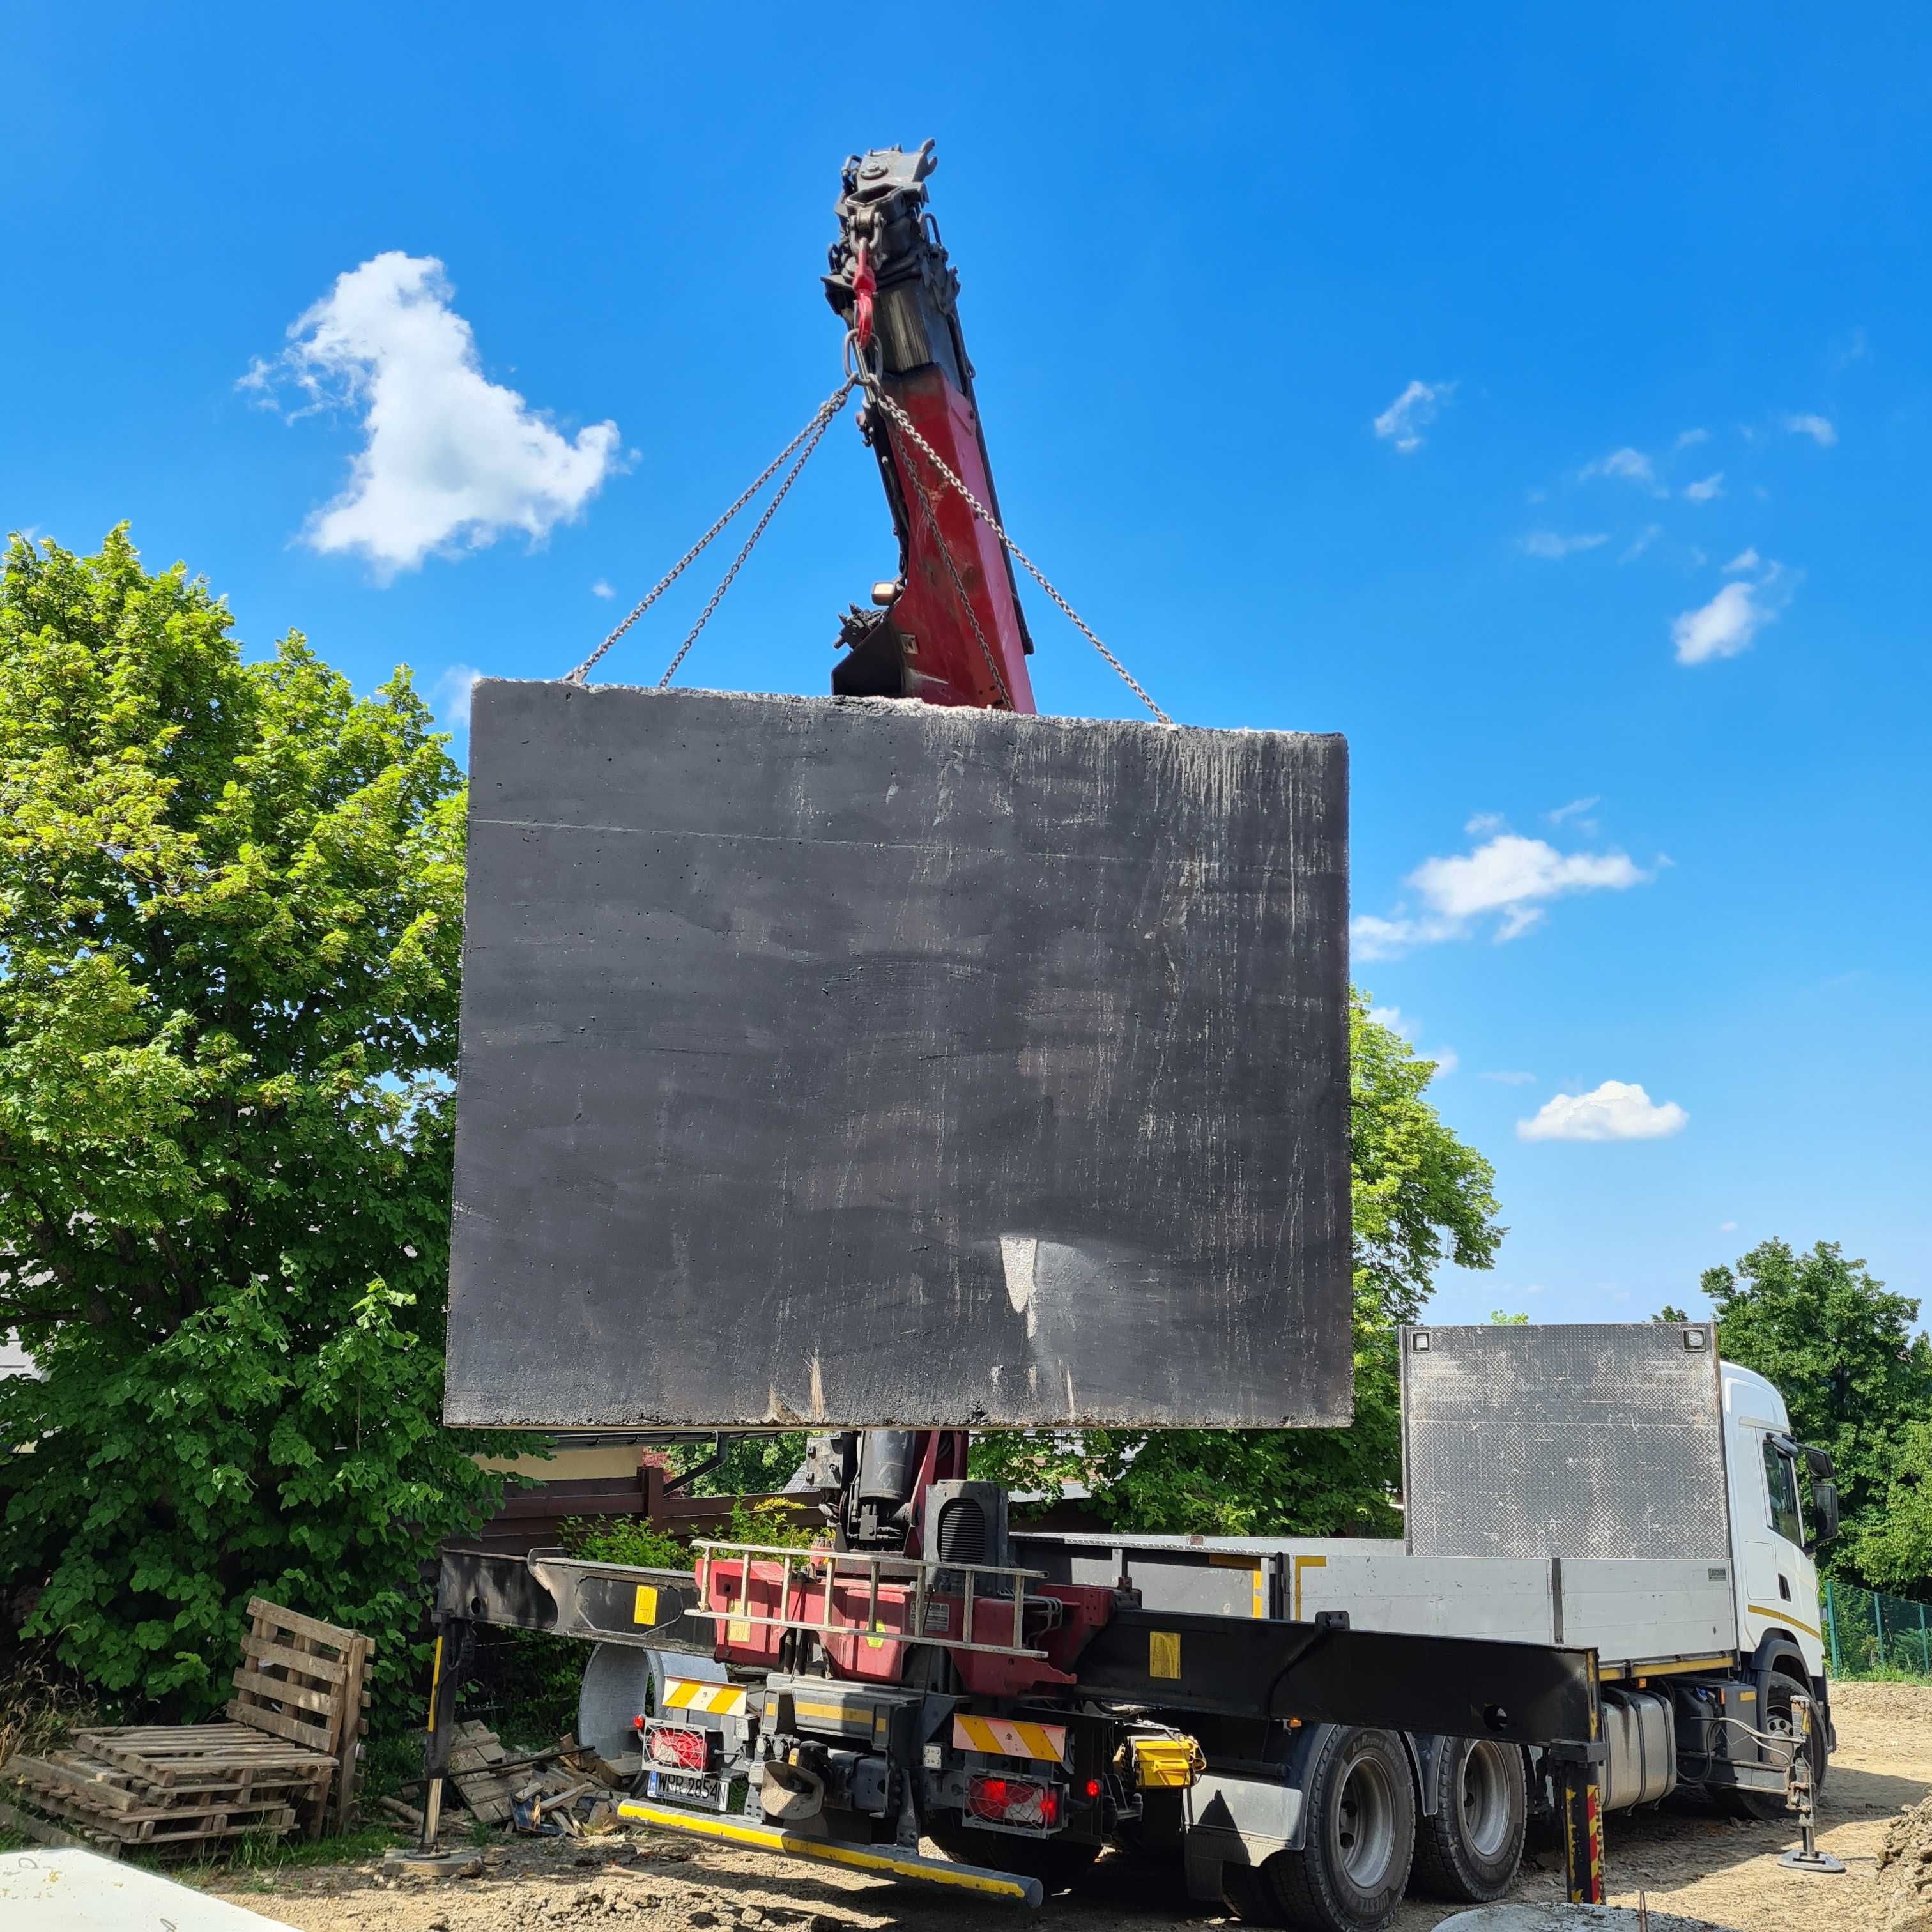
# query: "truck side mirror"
1819,1461
1824,1512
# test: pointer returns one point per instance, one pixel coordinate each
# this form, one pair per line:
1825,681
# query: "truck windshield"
1780,1481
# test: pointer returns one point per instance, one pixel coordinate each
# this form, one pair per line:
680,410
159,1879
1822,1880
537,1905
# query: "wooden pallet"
293,1731
301,1679
77,1792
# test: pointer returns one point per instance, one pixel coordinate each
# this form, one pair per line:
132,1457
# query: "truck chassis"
875,1700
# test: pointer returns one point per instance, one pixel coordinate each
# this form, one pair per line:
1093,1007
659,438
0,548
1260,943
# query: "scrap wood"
476,1759
31,1824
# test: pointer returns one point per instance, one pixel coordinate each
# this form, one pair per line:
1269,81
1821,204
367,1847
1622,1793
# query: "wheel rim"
1362,1828
1485,1800
1778,1722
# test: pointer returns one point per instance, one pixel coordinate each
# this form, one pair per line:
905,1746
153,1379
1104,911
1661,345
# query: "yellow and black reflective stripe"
858,1857
714,1700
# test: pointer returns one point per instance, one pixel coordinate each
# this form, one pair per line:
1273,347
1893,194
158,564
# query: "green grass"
263,1854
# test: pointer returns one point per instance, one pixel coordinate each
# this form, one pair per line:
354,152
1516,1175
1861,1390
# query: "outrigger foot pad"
890,1861
1810,1862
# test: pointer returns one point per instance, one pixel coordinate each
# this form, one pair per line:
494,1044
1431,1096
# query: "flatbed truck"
1310,1726
1350,1718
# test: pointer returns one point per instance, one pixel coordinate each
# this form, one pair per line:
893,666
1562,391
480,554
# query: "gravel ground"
1683,1859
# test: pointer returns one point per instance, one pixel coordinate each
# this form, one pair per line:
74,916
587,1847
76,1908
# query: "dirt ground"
1685,1860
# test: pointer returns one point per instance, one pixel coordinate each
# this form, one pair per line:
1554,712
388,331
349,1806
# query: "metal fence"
1870,1634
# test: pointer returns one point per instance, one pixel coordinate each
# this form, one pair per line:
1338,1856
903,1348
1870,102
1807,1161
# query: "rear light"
679,1750
1012,1801
1092,1787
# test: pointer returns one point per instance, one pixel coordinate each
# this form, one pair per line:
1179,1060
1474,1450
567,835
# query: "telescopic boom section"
949,630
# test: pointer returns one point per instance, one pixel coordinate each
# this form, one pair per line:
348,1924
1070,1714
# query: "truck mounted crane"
926,1674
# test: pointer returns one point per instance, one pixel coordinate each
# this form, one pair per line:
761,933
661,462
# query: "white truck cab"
1774,1521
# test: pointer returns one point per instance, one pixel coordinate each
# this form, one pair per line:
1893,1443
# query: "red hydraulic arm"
949,630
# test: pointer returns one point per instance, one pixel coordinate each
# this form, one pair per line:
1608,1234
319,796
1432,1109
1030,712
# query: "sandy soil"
1685,1860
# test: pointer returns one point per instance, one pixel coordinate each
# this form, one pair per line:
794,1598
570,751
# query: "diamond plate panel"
1590,1439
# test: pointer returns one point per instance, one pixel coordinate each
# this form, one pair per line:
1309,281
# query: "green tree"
1420,1197
230,898
1499,1319
1892,1547
1669,1312
1842,1351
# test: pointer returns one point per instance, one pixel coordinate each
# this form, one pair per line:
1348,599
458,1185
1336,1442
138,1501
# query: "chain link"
809,436
875,390
822,423
814,429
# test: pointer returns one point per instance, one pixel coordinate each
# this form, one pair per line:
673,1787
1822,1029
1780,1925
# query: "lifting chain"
875,391
860,374
820,421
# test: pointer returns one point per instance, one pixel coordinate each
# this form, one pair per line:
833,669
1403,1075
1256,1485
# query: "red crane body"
949,629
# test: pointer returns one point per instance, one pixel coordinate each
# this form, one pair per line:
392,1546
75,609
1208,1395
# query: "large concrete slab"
73,1891
860,1063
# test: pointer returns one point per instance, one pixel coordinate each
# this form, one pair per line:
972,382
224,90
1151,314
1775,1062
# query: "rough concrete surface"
1686,1861
857,1062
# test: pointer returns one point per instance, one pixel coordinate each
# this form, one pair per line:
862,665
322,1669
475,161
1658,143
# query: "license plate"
689,1787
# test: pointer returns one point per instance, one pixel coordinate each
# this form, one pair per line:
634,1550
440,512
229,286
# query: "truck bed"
1638,1614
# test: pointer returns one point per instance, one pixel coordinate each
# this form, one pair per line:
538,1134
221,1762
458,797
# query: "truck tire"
1359,1803
1776,1691
1469,1850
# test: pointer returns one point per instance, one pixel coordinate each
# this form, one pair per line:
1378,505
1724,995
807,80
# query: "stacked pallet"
169,1785
295,1722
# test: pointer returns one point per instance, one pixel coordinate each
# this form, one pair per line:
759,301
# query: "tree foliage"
1838,1346
1856,1379
230,900
1420,1197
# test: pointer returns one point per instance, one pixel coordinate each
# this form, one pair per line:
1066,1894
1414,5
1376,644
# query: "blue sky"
1544,404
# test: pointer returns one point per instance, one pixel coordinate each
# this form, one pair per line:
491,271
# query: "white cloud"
1478,823
450,460
602,589
1642,541
1691,438
450,695
1510,876
1405,419
1575,805
1712,485
1725,626
1508,1078
1446,1058
1818,428
1551,544
1618,1110
1391,1017
1745,559
1727,1227
1632,465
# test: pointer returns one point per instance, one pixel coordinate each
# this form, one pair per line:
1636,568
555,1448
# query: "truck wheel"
1353,1865
1468,1852
1761,1805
